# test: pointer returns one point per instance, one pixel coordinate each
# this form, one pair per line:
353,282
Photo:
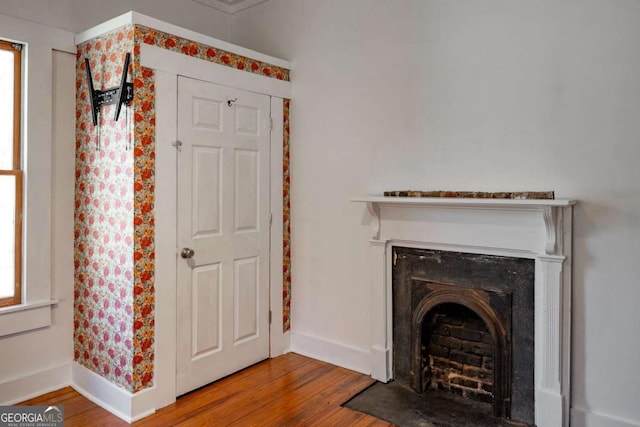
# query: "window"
10,174
46,206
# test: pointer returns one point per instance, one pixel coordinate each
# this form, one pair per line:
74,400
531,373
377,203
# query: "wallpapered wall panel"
104,229
143,222
114,216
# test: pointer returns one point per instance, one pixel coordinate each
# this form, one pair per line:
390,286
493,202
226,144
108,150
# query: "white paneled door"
222,231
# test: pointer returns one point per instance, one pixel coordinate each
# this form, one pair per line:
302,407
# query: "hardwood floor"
290,390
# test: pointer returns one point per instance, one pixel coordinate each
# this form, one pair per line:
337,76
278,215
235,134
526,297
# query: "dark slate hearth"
405,408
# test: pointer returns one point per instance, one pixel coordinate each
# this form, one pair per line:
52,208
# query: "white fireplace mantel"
534,229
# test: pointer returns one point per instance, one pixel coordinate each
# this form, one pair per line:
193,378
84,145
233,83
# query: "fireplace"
463,325
536,235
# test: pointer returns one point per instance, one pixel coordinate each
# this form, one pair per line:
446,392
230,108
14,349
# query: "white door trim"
168,66
165,239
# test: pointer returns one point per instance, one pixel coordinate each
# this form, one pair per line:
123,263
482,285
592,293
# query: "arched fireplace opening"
459,348
463,333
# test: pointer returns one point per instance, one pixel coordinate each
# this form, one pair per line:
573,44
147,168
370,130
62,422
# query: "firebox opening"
468,319
458,353
463,331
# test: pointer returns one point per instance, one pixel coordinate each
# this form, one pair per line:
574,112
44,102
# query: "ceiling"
230,6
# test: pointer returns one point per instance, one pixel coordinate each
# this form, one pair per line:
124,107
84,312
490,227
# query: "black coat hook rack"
122,94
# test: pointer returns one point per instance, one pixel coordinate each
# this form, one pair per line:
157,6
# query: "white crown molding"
156,24
230,6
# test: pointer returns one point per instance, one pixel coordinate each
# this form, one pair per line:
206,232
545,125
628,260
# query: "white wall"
55,13
478,95
184,13
36,360
80,15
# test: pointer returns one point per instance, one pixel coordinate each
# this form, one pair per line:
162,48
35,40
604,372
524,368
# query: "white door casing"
167,66
223,192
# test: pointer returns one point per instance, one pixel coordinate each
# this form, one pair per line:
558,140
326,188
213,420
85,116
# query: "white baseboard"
381,364
549,408
121,403
280,343
30,386
336,353
586,418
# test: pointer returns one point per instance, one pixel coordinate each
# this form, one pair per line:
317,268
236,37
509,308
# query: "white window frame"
15,170
37,99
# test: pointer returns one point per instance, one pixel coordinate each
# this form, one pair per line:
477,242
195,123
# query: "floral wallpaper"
286,222
209,53
143,222
114,206
104,205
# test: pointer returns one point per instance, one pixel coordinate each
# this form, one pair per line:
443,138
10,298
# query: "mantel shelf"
549,208
464,202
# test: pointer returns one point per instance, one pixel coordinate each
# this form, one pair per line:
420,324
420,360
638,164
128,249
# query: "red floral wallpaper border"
286,221
143,222
209,53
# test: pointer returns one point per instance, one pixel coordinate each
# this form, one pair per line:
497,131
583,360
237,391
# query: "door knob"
187,253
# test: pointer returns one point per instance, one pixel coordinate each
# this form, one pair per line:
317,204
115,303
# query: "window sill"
25,317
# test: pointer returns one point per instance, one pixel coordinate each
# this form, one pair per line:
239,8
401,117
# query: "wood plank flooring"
290,390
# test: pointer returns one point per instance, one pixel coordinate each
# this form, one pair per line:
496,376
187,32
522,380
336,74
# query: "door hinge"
270,219
177,145
270,123
270,316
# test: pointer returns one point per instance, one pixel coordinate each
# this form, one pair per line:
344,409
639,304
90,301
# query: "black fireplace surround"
431,290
